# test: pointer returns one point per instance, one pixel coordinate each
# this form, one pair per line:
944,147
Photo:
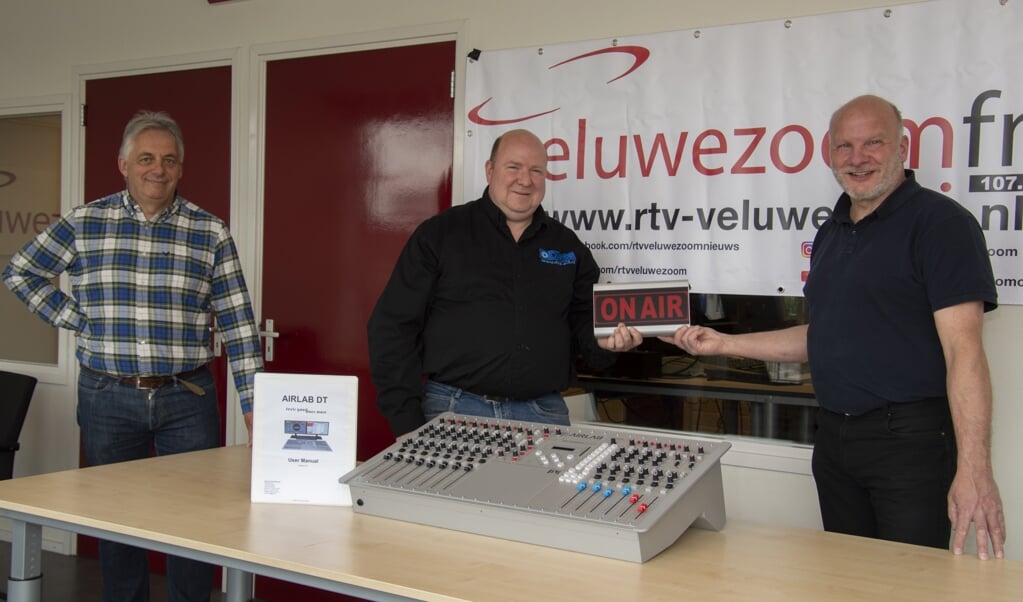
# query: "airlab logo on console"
639,55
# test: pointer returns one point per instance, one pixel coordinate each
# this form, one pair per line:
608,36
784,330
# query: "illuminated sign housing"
653,308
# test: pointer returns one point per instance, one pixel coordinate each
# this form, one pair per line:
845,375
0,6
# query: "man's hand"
624,338
248,425
976,500
697,340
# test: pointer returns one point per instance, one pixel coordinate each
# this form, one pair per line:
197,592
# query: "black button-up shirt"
468,306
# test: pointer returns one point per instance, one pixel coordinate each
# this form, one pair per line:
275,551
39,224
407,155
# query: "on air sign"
653,308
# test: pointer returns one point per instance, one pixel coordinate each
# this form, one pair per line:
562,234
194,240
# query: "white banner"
701,155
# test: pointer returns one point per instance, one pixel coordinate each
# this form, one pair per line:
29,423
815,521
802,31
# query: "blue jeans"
121,423
550,408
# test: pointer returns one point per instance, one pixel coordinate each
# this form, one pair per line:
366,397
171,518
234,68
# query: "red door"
200,101
358,153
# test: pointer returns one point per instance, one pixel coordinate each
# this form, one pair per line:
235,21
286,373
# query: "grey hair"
151,120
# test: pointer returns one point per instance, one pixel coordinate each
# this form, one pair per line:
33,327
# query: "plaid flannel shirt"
142,292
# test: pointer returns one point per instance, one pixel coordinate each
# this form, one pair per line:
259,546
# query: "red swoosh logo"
475,117
639,55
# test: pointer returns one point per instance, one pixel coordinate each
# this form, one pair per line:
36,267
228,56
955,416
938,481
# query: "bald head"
517,135
885,111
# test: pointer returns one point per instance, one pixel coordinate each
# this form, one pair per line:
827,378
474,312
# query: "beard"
892,174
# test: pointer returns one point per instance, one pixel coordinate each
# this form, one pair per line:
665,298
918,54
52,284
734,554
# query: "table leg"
26,581
239,586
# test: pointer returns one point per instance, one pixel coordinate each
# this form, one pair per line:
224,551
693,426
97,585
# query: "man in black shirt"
491,301
898,286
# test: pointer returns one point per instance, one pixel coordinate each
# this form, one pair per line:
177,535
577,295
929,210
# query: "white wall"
43,43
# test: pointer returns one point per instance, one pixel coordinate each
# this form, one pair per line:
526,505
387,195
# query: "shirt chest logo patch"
557,257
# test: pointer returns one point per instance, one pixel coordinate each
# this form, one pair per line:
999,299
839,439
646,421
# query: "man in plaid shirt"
147,270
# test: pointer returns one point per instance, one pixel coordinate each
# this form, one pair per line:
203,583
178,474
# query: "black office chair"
15,394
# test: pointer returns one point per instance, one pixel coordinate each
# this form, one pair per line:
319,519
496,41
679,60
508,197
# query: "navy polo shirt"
872,292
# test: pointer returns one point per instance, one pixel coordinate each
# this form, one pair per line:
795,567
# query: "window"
660,386
30,188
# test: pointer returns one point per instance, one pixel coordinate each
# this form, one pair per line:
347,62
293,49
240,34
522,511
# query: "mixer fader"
613,492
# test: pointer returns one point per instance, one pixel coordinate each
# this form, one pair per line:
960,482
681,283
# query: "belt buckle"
138,383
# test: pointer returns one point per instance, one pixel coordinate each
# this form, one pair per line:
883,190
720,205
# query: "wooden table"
198,505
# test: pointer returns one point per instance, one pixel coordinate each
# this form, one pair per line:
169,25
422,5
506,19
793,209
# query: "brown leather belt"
151,382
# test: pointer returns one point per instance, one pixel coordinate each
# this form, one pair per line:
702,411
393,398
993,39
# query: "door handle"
218,339
269,335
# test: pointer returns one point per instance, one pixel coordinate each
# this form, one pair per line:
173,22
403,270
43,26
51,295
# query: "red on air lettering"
642,307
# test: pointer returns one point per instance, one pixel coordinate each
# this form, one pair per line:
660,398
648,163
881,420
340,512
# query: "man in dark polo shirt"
490,301
898,285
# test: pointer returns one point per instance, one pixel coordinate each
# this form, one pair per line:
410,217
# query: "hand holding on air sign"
624,338
697,340
784,345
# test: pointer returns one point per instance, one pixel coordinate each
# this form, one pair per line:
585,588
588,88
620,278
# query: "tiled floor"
76,579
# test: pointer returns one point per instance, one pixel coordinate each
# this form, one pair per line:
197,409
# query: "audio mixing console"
613,492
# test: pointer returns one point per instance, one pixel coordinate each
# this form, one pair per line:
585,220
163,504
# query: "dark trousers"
886,474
